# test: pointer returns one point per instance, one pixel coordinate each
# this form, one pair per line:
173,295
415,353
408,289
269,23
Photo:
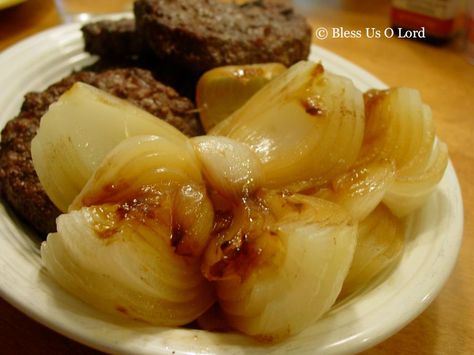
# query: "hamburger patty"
119,46
112,39
19,183
203,34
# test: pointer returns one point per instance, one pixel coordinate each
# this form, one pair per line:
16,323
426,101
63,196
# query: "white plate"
433,243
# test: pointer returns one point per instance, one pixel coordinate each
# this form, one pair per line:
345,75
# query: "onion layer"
304,124
154,179
285,267
223,90
230,167
362,188
78,131
409,192
128,269
379,243
133,238
399,128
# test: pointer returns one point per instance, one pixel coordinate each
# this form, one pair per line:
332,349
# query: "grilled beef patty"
112,39
203,34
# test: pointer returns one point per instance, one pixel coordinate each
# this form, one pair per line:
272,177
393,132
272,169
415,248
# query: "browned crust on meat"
204,34
112,39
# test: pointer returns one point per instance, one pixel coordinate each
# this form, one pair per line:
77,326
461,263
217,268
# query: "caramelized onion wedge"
221,91
304,124
409,192
133,238
397,127
125,268
400,128
155,180
275,278
229,167
362,188
78,131
379,243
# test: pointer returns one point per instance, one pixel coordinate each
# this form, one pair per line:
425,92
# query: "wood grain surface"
446,81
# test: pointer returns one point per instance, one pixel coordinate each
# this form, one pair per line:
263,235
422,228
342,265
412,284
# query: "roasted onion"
281,263
361,188
133,238
125,268
305,124
78,131
223,90
156,180
410,191
230,167
380,242
294,194
399,128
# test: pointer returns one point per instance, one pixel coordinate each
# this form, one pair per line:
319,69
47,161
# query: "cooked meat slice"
19,183
119,46
203,34
112,39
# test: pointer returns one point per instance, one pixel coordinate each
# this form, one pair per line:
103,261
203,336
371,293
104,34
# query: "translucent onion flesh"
133,238
399,128
144,209
229,167
286,269
223,90
131,271
155,179
305,124
78,131
360,189
380,242
410,192
396,128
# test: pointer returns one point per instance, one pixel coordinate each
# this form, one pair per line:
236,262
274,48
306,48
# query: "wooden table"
446,82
